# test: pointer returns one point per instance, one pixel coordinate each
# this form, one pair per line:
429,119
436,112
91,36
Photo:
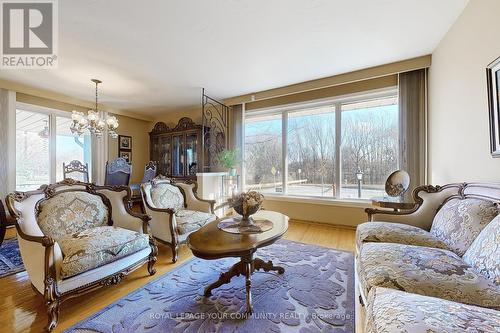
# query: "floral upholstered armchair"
75,237
175,211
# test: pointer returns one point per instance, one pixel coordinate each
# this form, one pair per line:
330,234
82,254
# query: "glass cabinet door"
154,150
178,157
165,155
192,153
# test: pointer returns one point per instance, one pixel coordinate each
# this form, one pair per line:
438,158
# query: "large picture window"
43,143
311,152
32,150
344,148
263,149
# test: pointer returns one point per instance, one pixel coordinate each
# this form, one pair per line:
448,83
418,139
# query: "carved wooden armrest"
170,211
44,240
144,217
374,211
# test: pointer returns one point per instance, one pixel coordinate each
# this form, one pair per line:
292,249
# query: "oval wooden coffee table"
209,242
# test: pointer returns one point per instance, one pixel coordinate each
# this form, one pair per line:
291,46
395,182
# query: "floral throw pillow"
460,221
484,253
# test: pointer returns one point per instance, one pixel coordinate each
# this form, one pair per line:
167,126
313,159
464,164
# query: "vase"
246,220
233,172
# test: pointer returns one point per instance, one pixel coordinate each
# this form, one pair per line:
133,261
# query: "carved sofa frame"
428,200
50,251
188,189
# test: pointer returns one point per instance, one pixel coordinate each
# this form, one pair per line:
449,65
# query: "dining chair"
149,174
118,172
76,166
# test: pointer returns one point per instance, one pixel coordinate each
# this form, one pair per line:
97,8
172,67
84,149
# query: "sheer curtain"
7,142
236,136
413,125
100,154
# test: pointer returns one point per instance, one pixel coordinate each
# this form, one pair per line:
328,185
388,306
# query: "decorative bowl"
246,204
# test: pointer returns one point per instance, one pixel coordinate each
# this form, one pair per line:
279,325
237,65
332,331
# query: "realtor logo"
29,34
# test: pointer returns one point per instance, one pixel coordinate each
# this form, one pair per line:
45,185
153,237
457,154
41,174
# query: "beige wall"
138,130
324,213
458,103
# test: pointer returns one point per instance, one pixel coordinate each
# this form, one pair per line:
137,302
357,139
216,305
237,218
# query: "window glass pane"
69,148
369,146
263,168
311,152
32,150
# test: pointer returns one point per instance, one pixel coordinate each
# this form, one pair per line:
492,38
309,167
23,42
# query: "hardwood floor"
21,310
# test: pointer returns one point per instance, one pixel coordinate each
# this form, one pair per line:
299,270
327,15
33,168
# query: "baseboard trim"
339,226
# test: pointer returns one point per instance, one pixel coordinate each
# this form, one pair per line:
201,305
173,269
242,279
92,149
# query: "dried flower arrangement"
246,203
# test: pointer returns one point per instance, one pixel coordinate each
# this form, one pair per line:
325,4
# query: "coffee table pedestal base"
246,266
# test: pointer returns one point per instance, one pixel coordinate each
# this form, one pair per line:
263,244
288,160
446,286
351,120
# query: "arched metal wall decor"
215,121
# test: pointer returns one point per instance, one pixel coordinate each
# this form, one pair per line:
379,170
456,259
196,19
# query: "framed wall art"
493,83
127,155
124,142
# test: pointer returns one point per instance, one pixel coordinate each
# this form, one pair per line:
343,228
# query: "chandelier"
92,121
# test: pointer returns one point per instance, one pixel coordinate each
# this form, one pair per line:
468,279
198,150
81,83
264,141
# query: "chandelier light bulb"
75,116
92,116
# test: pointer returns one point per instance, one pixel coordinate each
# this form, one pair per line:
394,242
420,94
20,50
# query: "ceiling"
155,56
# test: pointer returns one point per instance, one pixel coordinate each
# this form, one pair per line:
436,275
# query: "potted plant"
228,158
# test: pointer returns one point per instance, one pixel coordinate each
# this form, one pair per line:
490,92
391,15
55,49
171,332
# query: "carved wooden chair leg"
52,303
175,252
53,314
153,256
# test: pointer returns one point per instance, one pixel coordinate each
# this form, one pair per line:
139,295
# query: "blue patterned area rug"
10,258
315,294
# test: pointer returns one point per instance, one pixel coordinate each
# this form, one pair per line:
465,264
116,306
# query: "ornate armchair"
175,211
118,172
78,167
75,237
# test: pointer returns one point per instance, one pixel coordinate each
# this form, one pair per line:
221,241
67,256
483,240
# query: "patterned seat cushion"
387,232
165,195
460,221
391,310
190,220
484,253
425,271
96,247
69,212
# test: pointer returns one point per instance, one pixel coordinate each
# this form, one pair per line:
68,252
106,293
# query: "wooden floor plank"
21,310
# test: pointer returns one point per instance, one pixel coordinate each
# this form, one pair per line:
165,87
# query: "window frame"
336,102
52,114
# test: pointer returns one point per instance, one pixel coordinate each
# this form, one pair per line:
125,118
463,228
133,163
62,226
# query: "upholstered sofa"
75,237
175,211
436,267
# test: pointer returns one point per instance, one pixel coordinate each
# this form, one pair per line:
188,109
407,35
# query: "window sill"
361,203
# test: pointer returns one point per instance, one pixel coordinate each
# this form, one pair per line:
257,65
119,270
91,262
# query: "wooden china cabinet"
177,150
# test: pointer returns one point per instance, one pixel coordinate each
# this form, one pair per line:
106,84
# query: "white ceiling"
154,56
